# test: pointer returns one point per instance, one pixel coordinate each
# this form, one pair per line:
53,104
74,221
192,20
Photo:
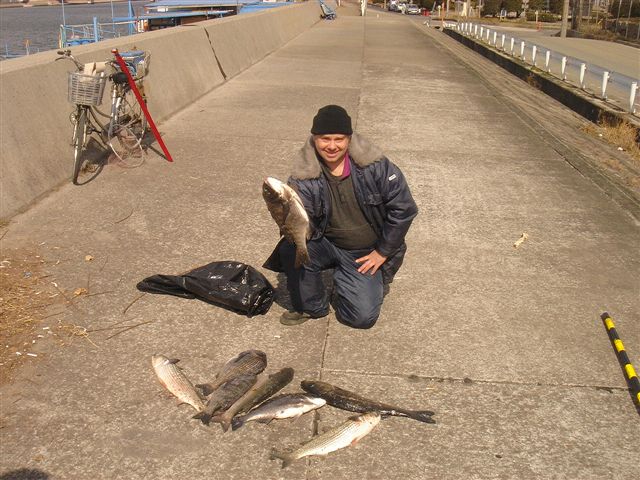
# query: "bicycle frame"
124,130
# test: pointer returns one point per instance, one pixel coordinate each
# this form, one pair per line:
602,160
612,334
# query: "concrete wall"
186,62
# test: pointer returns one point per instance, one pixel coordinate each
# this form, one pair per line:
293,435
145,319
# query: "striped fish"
342,436
249,362
174,380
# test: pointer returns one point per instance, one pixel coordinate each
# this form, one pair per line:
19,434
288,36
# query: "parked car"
412,9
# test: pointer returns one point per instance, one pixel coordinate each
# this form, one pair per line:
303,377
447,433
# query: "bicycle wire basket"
86,89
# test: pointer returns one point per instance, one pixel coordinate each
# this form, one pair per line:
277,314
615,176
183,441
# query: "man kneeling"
360,209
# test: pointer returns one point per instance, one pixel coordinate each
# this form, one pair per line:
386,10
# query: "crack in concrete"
470,381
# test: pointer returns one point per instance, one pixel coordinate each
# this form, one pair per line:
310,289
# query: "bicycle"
126,126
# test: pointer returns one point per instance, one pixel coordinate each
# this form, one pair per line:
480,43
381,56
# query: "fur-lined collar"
306,164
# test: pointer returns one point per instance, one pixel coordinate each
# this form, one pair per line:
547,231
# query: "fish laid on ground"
288,211
226,395
249,362
345,400
280,407
342,436
174,380
265,388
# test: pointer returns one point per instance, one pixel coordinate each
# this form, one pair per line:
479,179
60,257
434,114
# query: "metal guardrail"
71,35
612,87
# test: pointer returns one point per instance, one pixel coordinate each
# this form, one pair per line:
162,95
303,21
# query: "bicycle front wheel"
84,169
127,130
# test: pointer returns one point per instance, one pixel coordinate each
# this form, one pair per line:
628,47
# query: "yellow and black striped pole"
632,378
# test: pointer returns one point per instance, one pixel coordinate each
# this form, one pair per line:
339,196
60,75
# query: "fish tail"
204,417
223,420
302,257
286,458
423,416
236,423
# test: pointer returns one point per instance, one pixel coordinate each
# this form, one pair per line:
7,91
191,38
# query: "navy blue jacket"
381,190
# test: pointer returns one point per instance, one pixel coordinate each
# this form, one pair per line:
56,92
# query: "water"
41,25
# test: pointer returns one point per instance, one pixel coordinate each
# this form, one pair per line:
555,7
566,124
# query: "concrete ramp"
505,344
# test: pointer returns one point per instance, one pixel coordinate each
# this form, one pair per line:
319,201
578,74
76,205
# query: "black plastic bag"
232,285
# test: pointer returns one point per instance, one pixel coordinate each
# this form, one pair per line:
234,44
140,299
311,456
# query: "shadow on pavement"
25,474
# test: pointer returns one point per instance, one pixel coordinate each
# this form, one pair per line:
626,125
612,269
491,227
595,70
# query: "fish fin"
173,360
423,416
203,416
222,420
302,257
285,457
266,421
205,388
236,423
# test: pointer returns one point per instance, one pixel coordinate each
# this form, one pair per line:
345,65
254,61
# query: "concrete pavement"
505,344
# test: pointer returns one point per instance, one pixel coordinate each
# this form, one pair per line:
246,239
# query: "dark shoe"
294,318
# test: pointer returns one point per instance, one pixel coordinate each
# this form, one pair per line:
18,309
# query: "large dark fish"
344,435
345,400
225,396
287,210
262,390
249,362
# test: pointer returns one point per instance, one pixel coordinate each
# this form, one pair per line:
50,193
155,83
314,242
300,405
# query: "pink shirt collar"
346,170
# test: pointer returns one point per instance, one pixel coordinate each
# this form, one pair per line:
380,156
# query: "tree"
491,7
512,5
539,5
555,6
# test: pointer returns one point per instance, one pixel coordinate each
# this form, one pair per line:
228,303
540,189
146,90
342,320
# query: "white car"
412,9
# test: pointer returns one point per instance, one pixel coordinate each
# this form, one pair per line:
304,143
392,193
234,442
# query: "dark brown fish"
346,400
250,362
287,210
266,387
225,396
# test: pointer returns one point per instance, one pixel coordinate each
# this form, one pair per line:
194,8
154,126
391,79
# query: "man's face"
332,147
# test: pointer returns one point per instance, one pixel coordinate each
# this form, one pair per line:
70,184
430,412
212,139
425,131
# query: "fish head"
369,418
273,190
158,360
316,387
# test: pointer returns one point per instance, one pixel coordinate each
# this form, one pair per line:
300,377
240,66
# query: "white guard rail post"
503,39
605,80
583,69
632,97
522,49
563,68
534,50
547,59
512,42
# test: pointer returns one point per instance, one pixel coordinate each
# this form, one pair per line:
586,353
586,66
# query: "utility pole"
565,17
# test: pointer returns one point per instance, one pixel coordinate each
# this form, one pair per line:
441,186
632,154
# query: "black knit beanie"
332,120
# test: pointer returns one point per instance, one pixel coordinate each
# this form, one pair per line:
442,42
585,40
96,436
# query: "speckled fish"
280,407
226,395
342,436
174,380
249,362
288,211
346,400
262,390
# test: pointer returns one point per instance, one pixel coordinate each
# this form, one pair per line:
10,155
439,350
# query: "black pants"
357,297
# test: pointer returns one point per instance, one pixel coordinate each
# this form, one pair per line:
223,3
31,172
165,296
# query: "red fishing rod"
141,102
